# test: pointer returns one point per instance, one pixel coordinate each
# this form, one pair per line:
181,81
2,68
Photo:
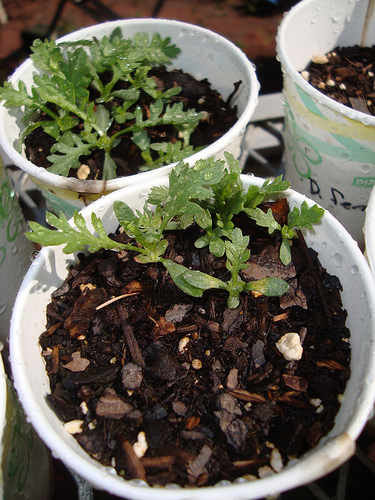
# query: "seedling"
208,194
84,110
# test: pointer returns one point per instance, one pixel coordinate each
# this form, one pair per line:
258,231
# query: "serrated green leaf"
305,216
263,219
74,239
255,194
66,154
47,56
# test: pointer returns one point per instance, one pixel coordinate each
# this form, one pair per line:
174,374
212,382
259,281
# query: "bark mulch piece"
346,74
174,389
220,116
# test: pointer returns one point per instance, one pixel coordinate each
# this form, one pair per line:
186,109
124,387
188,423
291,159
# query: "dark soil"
198,95
347,77
206,385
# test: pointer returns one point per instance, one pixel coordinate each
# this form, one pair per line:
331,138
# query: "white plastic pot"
25,462
329,148
15,251
338,253
204,54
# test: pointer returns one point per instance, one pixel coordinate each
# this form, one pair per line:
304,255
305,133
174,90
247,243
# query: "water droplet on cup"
354,270
337,259
324,245
366,120
345,156
365,169
3,306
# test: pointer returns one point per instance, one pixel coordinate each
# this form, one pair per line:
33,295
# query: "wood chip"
158,463
77,364
192,422
296,383
163,327
247,396
134,464
330,364
177,312
110,405
131,341
197,466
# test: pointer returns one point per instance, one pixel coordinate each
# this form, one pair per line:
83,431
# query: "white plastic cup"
25,462
369,231
15,251
204,54
329,148
338,253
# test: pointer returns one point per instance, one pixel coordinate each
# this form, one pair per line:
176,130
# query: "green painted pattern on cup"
309,103
306,150
364,182
11,220
19,435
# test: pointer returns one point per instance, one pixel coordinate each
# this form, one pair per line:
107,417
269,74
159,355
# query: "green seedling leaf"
73,239
255,194
305,217
264,219
270,287
192,282
66,154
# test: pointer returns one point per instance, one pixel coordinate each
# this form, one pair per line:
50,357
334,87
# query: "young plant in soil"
345,74
192,353
99,101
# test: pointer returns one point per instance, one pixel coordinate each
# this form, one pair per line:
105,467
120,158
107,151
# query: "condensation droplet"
337,259
366,120
324,245
3,306
363,295
145,192
345,156
365,169
354,270
13,248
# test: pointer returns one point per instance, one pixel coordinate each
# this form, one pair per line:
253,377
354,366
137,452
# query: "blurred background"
250,24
